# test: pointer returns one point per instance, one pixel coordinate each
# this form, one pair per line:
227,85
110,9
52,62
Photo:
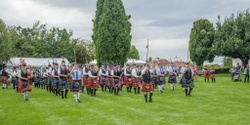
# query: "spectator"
233,70
246,73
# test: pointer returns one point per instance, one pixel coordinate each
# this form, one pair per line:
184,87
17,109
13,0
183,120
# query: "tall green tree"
5,42
133,53
201,42
111,32
233,37
227,62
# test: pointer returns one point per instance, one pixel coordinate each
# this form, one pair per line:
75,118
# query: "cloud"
167,24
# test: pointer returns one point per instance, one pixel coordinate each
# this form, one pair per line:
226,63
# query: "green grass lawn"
223,103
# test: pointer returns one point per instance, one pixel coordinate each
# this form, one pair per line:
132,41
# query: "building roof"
36,61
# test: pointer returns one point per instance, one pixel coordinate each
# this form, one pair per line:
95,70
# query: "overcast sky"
166,23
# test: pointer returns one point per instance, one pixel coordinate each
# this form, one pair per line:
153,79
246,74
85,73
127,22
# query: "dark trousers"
246,79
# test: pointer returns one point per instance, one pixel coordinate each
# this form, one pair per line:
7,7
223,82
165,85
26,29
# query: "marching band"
59,79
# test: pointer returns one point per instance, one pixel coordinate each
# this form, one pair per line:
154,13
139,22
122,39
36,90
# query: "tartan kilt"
63,84
103,80
55,83
21,87
73,87
92,84
187,83
206,74
36,80
127,80
116,83
85,80
109,82
212,76
161,80
147,87
5,79
48,82
136,82
41,80
172,79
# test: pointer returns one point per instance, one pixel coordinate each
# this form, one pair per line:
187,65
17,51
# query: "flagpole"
147,50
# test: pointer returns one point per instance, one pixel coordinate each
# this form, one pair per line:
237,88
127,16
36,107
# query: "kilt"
76,85
206,74
187,83
161,80
14,81
103,80
136,82
36,80
147,87
92,84
172,79
5,79
86,81
21,87
116,82
45,80
127,80
63,84
48,82
212,76
109,82
55,83
41,80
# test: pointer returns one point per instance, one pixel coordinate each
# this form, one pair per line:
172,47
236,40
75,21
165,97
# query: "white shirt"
53,72
125,72
90,74
182,69
134,73
102,74
85,73
47,71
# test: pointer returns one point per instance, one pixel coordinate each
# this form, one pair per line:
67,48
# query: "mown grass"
223,103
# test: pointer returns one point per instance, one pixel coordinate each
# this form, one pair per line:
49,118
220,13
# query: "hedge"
224,70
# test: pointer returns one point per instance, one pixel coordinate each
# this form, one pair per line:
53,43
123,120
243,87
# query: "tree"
133,53
111,32
233,37
5,42
201,42
227,62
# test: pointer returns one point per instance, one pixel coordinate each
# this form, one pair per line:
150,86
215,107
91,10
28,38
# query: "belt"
76,79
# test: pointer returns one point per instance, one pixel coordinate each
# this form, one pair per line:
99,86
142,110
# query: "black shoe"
150,100
78,100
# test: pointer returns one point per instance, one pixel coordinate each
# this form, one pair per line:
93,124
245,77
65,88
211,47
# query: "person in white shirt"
188,80
172,76
103,76
93,80
85,78
14,77
160,77
116,80
55,83
136,78
127,78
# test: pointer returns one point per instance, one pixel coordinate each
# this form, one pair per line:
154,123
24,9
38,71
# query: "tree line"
39,42
229,38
